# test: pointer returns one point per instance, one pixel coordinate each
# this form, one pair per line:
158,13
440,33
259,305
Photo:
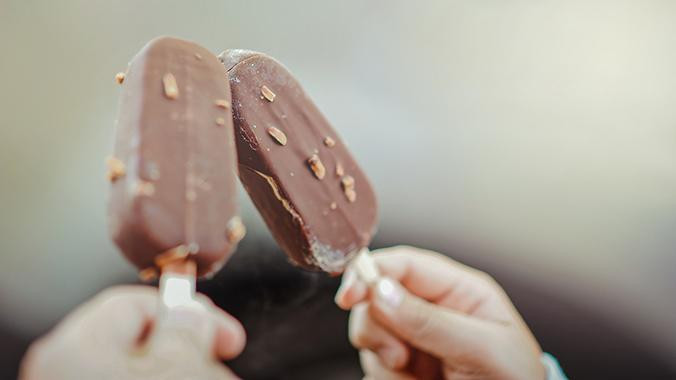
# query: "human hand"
117,335
431,317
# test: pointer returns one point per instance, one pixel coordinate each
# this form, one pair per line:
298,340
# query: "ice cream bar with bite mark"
311,192
173,169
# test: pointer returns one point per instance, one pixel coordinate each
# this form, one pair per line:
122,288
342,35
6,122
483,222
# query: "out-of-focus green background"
540,133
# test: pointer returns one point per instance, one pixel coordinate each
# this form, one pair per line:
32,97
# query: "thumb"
434,329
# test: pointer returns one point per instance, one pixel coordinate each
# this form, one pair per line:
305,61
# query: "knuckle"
407,250
120,291
397,250
119,296
204,300
422,324
112,292
110,297
485,278
405,247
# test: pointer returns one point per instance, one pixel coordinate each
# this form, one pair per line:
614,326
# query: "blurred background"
535,140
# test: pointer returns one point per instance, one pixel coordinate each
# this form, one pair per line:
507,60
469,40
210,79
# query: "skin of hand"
117,335
429,317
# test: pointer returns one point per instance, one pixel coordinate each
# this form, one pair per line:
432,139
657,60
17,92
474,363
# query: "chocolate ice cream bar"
173,171
309,189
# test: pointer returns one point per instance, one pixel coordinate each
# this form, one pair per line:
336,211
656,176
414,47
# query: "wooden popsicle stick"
366,267
177,283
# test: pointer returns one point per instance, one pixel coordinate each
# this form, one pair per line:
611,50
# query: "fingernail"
349,278
389,293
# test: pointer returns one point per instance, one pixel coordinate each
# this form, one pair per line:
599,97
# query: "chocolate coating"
175,142
311,193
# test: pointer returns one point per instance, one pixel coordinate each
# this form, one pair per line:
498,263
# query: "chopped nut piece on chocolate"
333,206
278,135
351,195
119,77
148,274
176,253
347,182
170,86
339,170
267,93
316,166
235,230
220,121
222,103
116,168
328,141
